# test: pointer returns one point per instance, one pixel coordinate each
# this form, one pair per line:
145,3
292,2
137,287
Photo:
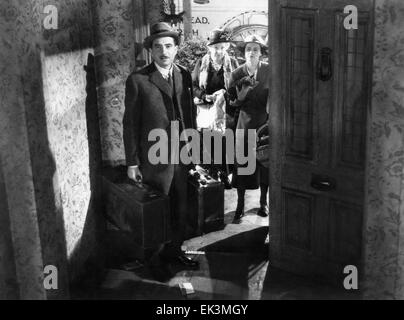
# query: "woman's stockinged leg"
263,210
240,203
263,196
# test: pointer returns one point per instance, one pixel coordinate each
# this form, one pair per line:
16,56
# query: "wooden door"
319,123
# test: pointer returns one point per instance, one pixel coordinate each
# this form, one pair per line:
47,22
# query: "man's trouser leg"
178,211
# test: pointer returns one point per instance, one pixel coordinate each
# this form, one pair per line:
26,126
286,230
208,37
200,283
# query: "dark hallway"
234,265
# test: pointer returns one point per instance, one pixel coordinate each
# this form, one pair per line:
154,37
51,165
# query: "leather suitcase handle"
140,185
151,193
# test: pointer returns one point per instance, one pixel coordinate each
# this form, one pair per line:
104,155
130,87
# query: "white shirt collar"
164,72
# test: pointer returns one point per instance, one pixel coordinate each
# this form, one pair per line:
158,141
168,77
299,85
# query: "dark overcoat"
149,105
253,114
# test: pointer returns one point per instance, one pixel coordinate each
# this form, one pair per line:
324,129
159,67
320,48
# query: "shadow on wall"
63,137
76,139
8,284
55,183
90,272
47,198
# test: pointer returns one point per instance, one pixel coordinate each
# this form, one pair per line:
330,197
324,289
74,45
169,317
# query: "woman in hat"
211,78
248,90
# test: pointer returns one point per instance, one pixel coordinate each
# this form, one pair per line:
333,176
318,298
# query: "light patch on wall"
64,82
61,73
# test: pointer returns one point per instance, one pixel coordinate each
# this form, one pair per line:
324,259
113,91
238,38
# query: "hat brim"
219,41
242,44
147,43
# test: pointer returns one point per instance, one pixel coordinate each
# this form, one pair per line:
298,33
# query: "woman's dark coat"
252,115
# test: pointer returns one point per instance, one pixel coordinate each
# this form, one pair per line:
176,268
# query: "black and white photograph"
202,154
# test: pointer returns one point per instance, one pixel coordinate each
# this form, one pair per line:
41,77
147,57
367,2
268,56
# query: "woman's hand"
241,94
213,97
210,98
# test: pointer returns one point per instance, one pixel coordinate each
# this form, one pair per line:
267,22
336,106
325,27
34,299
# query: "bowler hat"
218,36
159,30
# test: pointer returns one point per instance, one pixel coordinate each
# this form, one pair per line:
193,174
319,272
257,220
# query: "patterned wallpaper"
45,151
155,9
114,53
14,147
8,278
117,27
384,234
47,158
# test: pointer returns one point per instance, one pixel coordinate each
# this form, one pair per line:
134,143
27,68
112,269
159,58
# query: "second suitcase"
205,204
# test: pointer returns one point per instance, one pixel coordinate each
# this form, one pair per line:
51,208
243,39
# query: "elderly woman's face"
252,52
218,50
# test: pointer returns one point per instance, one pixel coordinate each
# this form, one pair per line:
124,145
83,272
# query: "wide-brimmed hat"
159,30
219,36
254,38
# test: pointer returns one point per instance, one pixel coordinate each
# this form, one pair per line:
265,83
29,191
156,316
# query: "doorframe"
275,126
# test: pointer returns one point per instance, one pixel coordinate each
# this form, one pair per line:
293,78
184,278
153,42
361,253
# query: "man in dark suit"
159,96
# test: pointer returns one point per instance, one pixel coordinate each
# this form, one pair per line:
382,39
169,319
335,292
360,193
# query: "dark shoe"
159,269
263,211
240,205
238,215
187,262
182,260
160,272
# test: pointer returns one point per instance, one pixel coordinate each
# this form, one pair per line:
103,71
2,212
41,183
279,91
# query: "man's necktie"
170,80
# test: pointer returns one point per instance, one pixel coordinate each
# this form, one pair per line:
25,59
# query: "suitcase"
205,203
135,210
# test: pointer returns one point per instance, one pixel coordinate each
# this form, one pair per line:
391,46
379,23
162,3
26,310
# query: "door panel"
298,33
316,229
298,220
344,226
352,64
